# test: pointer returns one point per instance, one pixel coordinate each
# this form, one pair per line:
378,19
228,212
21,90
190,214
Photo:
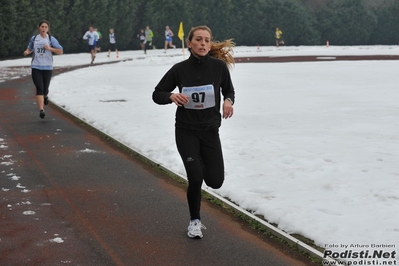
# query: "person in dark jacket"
203,81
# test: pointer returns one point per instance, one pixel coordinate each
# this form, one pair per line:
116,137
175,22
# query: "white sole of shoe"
194,236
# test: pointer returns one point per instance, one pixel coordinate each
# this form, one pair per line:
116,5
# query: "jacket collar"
199,59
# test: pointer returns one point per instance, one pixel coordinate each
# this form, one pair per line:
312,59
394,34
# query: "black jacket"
191,73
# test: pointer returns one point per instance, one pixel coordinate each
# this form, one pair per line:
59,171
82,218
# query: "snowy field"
312,146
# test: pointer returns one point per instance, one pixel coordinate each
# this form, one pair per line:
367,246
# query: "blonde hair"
221,50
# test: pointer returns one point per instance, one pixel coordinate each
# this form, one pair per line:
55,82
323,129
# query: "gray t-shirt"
42,58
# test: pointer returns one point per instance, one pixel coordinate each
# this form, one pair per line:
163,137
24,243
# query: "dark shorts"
111,46
92,47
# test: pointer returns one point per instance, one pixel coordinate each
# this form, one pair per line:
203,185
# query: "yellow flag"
181,31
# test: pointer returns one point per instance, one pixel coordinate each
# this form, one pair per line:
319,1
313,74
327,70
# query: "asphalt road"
68,196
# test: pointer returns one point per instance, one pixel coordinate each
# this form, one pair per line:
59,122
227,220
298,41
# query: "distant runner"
143,41
112,43
148,37
91,36
168,38
278,35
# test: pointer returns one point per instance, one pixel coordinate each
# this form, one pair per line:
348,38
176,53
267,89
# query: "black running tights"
202,157
41,79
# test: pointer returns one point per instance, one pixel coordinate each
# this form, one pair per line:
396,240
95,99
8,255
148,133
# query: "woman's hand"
227,109
26,52
54,50
179,99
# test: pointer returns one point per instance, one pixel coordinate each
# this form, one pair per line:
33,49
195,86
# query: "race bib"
39,47
201,97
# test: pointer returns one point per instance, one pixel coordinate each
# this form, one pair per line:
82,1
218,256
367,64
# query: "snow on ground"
312,146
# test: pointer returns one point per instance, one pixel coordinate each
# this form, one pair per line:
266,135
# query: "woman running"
201,80
42,46
168,38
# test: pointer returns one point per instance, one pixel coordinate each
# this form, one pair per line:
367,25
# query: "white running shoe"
194,229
